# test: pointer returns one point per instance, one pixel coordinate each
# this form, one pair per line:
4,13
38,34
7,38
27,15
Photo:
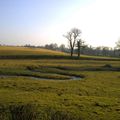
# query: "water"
72,78
38,78
75,78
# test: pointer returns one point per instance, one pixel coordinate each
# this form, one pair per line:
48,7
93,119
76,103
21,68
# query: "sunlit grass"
27,51
94,97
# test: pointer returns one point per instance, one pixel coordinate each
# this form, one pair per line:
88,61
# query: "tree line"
85,50
77,46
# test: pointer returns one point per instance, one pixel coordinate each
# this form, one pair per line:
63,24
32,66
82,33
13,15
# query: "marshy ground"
96,96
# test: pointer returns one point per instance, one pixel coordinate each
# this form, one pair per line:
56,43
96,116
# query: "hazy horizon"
40,22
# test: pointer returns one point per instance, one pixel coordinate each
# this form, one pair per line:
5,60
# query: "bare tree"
80,44
72,37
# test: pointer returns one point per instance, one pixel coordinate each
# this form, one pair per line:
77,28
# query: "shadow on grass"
54,57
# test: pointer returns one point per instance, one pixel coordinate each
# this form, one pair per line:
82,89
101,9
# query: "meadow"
42,88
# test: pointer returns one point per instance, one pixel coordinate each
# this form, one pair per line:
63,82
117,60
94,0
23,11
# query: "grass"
6,50
95,97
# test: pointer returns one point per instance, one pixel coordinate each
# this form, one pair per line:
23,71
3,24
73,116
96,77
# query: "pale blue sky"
39,22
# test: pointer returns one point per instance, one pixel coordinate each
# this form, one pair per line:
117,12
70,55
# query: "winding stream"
38,78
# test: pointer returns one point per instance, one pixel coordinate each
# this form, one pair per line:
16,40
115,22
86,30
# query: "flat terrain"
58,89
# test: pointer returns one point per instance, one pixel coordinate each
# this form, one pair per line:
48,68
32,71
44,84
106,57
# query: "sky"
40,22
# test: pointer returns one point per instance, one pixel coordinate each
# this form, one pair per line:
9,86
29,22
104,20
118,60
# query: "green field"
44,89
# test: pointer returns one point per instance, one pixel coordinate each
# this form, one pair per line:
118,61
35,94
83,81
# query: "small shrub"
55,114
101,104
30,67
23,112
107,66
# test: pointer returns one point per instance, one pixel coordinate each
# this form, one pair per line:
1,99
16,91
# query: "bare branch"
72,36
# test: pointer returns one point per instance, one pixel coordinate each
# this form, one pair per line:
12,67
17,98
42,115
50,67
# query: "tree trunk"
79,52
78,45
71,52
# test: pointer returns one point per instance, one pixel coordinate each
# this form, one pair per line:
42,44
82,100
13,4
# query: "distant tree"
30,46
105,50
118,47
118,44
72,37
52,46
98,51
62,48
